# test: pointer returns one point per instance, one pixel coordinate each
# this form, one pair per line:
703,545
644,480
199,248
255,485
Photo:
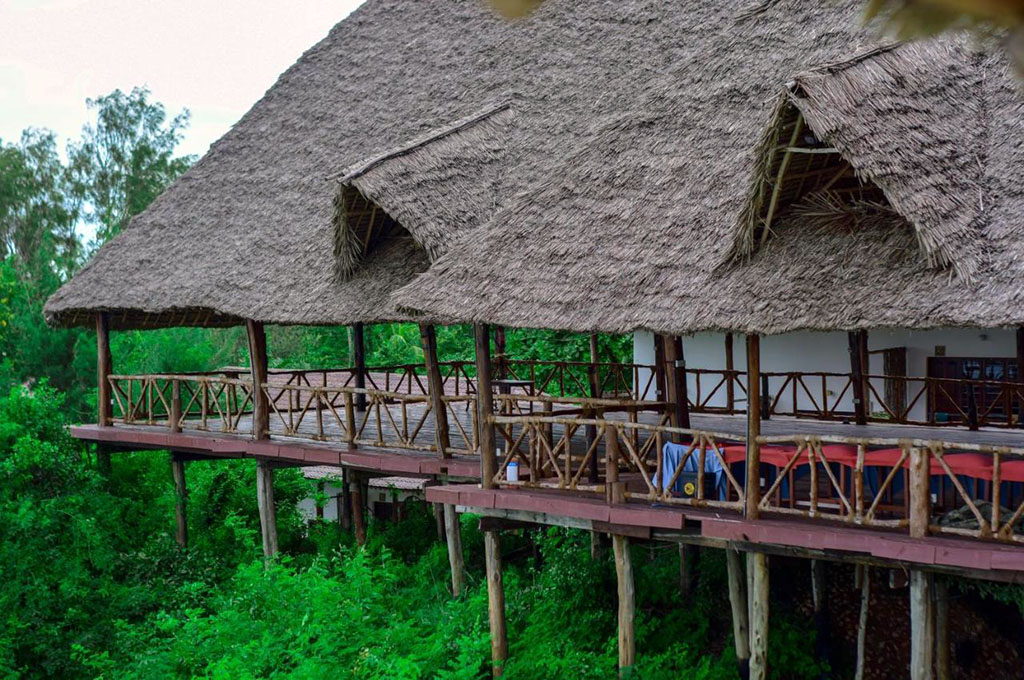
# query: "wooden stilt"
596,548
819,593
922,626
265,501
730,386
485,406
685,569
501,361
488,469
682,399
659,368
857,371
355,492
439,521
495,602
757,565
920,493
359,364
258,369
435,385
174,417
103,369
627,603
104,405
864,576
753,479
453,532
594,380
943,668
344,502
738,601
180,497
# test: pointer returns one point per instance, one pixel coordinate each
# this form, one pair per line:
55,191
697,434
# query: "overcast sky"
214,57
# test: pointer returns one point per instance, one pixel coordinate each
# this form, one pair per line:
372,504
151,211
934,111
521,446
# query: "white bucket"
512,472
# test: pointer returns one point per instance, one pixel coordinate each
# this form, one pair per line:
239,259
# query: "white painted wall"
829,352
307,506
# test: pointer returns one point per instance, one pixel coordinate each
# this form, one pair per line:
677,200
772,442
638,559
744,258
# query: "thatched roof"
616,186
642,225
246,233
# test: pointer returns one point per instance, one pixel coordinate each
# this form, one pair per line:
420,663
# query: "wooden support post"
659,368
864,576
1020,374
174,417
681,401
594,379
753,476
265,501
436,387
857,371
485,407
730,386
355,493
103,370
344,502
180,499
920,492
757,565
488,470
627,603
439,521
686,568
359,364
819,595
613,488
943,668
922,626
738,602
495,602
453,532
258,368
501,360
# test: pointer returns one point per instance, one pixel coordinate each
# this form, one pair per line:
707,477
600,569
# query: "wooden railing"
180,400
952,488
921,487
390,419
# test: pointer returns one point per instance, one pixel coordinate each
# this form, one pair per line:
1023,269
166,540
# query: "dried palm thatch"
616,199
641,225
437,187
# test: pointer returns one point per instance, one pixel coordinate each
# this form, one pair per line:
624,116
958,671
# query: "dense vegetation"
92,583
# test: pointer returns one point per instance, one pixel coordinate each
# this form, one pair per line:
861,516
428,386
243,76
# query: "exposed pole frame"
730,387
595,393
753,473
265,502
103,370
428,336
488,469
180,501
501,360
258,368
857,340
682,403
359,361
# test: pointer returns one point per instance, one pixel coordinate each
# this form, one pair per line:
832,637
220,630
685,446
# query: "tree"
126,159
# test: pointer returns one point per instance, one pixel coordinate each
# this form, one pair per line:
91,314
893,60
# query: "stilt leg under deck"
265,500
922,626
757,564
180,495
453,534
627,602
355,493
495,602
864,574
738,601
943,670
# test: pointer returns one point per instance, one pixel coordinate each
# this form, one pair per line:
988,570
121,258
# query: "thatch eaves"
436,187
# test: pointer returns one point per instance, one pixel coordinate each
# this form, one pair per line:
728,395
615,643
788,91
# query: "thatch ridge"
438,186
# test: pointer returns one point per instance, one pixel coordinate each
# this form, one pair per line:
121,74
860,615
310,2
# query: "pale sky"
214,57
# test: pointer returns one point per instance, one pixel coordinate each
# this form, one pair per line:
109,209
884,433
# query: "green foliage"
126,158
